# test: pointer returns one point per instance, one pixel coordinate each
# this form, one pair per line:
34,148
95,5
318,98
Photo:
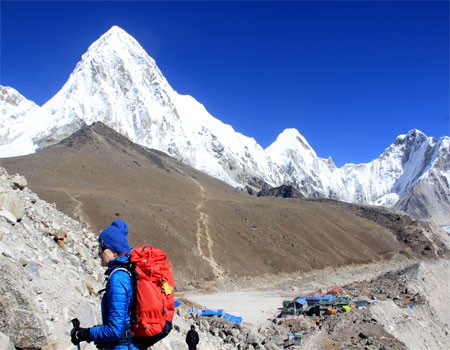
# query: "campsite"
368,307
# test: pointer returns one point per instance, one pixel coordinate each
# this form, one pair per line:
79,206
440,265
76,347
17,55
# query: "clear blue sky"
350,76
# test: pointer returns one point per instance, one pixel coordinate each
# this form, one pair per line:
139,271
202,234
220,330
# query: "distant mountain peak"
117,34
116,30
119,84
10,97
290,139
414,137
116,42
290,143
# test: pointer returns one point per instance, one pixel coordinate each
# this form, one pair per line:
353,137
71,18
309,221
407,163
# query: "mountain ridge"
118,83
208,227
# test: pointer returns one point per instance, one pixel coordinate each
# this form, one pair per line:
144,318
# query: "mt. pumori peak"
291,139
118,33
117,40
119,84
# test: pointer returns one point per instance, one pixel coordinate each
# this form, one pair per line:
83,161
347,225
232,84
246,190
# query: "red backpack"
154,284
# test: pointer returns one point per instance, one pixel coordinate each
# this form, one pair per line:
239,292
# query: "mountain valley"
207,226
241,224
297,246
119,84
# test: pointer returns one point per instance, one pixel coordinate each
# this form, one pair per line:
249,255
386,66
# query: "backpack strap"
129,269
123,267
120,268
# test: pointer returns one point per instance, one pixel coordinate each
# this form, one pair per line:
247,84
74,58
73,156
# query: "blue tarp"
218,313
301,300
177,303
232,318
210,312
329,298
206,312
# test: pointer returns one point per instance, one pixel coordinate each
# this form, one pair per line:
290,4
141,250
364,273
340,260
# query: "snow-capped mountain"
118,83
394,175
128,92
398,170
24,126
302,168
423,186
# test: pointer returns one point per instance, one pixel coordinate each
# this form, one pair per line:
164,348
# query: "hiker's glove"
78,335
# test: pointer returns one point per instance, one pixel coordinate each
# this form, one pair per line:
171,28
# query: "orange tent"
336,290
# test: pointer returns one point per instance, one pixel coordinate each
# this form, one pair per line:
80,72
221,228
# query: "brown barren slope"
209,229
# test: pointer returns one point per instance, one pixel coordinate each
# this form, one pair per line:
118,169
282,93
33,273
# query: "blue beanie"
115,237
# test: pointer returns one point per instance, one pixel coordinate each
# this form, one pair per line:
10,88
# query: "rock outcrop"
47,262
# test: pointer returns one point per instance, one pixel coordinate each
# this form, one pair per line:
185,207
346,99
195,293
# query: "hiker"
115,333
192,338
319,322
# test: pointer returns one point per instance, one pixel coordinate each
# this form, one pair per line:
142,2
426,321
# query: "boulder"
10,218
11,202
19,316
19,181
5,343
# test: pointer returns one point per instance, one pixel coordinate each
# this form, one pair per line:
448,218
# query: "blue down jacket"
115,309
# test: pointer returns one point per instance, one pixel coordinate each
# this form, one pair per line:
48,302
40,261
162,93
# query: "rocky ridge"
48,269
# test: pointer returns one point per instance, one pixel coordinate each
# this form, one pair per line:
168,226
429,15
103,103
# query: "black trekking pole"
76,324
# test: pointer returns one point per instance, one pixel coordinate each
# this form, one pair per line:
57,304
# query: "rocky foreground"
49,274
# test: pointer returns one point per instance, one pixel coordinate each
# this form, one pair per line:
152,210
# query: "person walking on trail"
192,338
115,333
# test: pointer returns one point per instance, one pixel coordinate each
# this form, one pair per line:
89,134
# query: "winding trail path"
78,212
203,237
